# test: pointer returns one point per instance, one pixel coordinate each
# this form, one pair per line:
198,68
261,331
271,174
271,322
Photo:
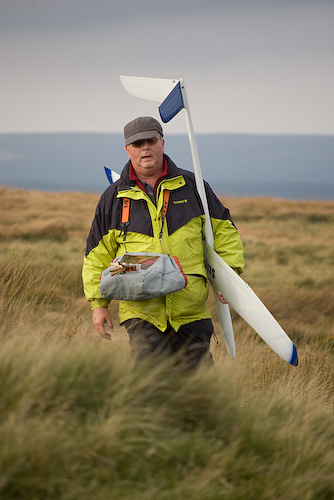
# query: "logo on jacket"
177,202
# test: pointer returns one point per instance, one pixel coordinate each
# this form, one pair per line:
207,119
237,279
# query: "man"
180,322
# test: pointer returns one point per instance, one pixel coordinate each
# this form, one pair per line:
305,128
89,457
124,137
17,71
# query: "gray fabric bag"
142,276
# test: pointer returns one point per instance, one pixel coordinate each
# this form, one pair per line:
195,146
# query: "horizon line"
271,134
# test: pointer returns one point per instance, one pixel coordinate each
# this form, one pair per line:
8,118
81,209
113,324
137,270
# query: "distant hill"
287,166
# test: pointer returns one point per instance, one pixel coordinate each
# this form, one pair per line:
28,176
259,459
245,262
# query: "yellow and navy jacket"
182,236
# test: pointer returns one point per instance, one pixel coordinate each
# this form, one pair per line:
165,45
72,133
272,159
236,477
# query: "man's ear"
127,150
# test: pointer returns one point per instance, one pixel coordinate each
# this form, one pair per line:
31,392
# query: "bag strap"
126,211
165,204
125,218
164,213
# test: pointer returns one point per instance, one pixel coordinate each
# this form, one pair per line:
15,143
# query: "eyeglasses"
141,142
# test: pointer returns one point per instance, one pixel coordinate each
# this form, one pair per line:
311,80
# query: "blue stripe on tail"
172,104
108,174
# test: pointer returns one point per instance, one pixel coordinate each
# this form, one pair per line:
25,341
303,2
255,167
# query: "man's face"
147,156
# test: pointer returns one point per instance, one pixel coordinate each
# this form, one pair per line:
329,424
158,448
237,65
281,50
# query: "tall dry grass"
78,422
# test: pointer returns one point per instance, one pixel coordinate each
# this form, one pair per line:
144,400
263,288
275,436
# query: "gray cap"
144,127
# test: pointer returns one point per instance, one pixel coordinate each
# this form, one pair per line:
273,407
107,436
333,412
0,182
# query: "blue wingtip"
294,357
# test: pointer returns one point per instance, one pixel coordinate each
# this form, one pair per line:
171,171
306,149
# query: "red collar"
133,176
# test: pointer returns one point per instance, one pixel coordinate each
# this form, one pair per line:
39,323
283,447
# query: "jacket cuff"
97,303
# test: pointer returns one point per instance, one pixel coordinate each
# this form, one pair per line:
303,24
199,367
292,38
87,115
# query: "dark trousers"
189,346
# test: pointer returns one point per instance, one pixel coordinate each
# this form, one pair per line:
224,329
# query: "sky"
249,66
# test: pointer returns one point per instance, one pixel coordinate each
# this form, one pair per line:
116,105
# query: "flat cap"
143,127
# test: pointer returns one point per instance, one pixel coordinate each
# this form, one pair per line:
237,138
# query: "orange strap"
164,212
165,204
126,210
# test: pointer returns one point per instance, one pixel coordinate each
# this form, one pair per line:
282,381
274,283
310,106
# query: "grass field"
77,422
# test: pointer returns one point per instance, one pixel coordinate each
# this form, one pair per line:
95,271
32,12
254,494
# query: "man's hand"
221,298
100,317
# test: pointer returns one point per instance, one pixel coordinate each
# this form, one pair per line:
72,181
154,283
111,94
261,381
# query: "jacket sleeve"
228,243
100,250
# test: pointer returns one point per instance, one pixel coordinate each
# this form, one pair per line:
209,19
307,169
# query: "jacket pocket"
190,302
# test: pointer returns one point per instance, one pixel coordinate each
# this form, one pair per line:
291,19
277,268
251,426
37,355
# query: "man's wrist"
98,303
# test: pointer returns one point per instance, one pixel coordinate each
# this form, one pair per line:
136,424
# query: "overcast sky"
253,66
